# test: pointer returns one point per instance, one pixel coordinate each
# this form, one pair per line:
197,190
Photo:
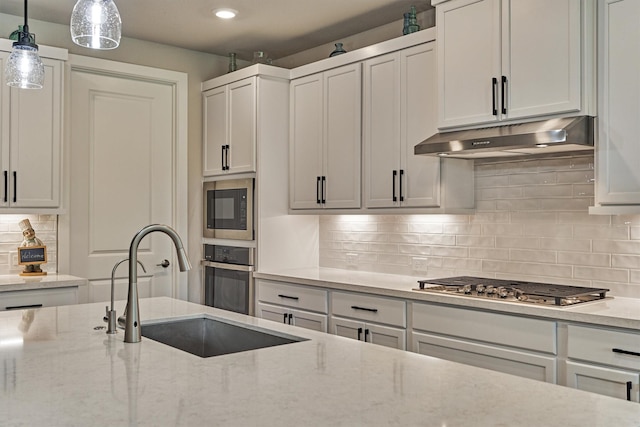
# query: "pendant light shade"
24,69
96,24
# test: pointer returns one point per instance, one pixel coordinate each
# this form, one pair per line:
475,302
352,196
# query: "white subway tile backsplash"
548,191
531,223
469,229
502,229
532,256
517,242
608,274
533,178
625,261
584,259
547,230
560,244
489,253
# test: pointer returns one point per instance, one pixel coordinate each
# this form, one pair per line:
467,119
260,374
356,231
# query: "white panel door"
468,61
121,173
215,127
420,174
242,126
618,150
382,130
612,382
305,139
35,141
342,136
541,57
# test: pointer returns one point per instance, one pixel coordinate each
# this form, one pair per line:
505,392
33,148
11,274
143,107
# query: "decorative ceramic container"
339,50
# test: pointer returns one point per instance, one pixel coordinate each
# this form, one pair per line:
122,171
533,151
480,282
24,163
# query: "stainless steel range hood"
533,138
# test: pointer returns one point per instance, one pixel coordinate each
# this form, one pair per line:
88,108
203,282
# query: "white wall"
531,224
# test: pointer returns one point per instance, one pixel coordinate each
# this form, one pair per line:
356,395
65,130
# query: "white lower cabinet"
36,298
369,332
516,345
373,319
295,305
303,319
604,361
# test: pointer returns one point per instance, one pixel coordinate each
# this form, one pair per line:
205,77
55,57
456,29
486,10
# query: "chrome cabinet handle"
164,264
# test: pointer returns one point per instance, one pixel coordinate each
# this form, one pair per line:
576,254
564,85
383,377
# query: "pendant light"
24,69
96,24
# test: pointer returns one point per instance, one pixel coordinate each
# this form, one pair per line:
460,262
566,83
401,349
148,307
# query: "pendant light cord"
26,25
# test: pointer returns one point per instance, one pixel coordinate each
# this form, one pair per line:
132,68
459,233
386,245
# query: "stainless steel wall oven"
228,278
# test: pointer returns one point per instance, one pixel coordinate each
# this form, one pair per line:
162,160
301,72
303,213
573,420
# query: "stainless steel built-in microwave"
228,209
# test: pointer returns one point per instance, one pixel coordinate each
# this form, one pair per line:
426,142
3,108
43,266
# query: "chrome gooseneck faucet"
132,333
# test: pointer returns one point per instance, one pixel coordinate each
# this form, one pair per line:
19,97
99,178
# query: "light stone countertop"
15,282
58,371
618,312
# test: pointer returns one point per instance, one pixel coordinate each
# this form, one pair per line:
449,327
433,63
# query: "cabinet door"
541,57
347,328
307,320
468,32
386,336
420,175
382,130
607,381
305,143
272,312
342,137
242,126
523,364
617,150
35,148
215,116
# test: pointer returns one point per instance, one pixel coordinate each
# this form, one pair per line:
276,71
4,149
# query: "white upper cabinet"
230,128
617,148
30,148
325,139
512,59
399,112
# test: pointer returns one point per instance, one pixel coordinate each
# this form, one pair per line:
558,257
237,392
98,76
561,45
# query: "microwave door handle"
225,266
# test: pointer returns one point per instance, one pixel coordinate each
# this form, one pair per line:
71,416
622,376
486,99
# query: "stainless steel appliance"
228,209
228,278
512,290
541,137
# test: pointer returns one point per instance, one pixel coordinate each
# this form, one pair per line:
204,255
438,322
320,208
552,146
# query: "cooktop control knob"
490,290
466,289
480,289
503,292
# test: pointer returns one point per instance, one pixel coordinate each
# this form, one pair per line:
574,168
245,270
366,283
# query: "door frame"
179,193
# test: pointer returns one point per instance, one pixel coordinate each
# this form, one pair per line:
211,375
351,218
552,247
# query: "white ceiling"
278,27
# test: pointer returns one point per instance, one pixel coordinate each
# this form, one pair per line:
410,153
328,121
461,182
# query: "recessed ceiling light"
225,13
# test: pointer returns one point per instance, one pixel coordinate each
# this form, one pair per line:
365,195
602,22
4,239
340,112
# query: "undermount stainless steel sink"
207,337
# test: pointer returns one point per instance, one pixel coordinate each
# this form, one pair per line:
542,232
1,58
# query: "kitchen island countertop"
57,370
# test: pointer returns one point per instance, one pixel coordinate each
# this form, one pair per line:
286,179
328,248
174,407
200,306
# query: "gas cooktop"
512,290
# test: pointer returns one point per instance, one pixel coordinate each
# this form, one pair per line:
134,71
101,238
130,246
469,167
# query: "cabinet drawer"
513,331
604,346
369,308
515,362
15,300
292,296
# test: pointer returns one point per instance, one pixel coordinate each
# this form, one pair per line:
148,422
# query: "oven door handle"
225,266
